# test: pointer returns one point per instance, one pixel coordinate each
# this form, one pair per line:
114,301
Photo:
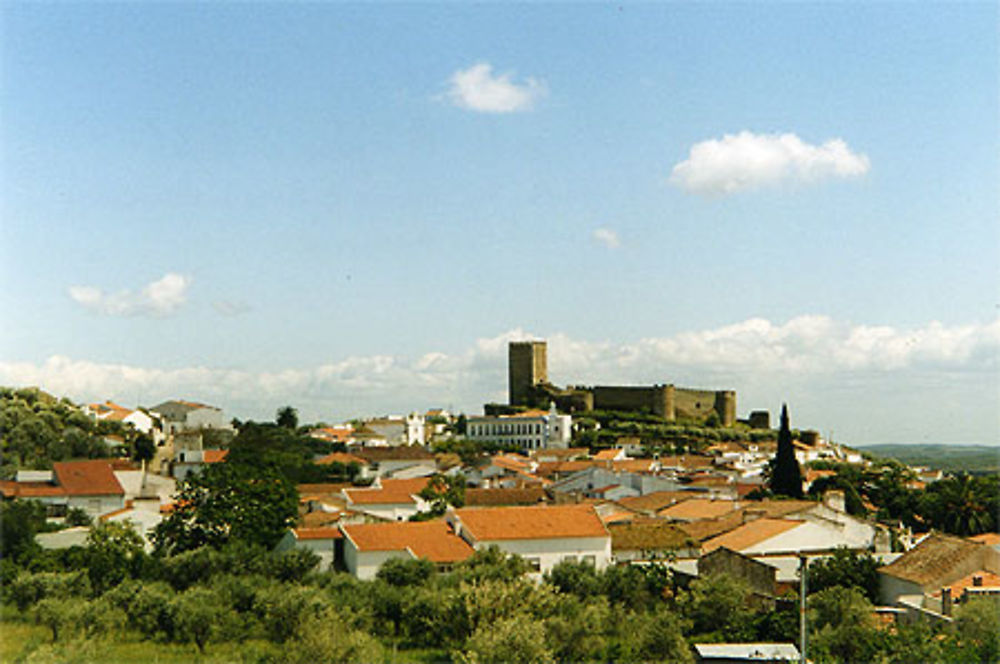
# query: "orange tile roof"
549,468
12,489
992,539
317,533
433,540
393,492
510,523
324,488
656,500
341,457
607,455
493,497
696,509
214,456
87,478
987,580
687,461
339,434
319,519
634,465
750,534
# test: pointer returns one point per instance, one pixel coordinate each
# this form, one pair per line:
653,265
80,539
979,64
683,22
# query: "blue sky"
352,208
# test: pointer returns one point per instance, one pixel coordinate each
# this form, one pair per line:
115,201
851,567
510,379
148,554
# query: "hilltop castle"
528,384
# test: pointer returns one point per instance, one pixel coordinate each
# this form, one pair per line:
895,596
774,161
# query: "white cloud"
745,161
162,297
607,237
478,89
862,366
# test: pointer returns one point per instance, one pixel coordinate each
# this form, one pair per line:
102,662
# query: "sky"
352,209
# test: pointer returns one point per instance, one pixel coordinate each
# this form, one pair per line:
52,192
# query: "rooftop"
749,534
433,540
931,561
543,522
87,478
392,492
696,509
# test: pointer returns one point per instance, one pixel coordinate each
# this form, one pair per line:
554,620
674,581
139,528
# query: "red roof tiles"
548,522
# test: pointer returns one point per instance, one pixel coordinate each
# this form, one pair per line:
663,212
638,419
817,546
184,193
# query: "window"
590,560
534,564
569,559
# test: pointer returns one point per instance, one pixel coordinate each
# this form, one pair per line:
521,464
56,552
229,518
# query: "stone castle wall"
527,366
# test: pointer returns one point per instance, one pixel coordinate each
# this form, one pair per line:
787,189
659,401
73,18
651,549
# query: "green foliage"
287,418
229,502
327,637
58,614
77,517
655,636
575,578
848,569
20,521
30,588
491,564
717,608
841,626
516,638
114,552
405,572
962,505
978,626
786,476
442,491
197,615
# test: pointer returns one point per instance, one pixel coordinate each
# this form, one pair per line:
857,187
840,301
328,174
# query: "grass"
24,642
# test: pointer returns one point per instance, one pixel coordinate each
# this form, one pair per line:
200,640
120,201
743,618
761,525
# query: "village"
438,487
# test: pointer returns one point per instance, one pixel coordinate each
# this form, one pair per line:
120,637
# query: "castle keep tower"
527,366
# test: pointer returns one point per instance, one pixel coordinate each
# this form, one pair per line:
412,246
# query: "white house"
367,546
544,536
530,430
187,415
389,499
390,461
87,485
321,541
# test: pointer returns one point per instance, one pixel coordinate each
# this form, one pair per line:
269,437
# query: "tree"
978,626
20,521
144,449
197,613
848,569
287,417
962,505
441,491
229,502
518,638
842,627
113,551
717,603
786,476
403,573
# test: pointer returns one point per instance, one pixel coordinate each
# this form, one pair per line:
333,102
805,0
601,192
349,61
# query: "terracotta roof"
931,561
548,468
514,462
493,497
561,454
634,465
341,457
750,534
319,518
657,500
399,453
12,489
813,475
696,509
993,539
510,523
708,528
323,488
340,434
317,533
213,456
987,579
607,455
87,478
647,534
433,540
687,461
392,492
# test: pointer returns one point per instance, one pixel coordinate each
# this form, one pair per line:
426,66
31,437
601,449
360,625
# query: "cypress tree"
786,476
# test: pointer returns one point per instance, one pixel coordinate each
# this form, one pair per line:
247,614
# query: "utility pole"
803,587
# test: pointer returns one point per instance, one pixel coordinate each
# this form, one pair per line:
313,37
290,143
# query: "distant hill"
977,459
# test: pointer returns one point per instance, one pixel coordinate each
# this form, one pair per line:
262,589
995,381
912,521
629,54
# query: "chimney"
946,601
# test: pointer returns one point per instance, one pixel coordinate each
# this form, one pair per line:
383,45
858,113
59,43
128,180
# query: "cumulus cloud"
746,161
479,89
162,297
607,237
760,358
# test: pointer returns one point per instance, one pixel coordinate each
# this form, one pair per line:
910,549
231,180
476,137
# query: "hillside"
977,459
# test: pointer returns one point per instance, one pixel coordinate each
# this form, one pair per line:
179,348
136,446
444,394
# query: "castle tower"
527,366
725,406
